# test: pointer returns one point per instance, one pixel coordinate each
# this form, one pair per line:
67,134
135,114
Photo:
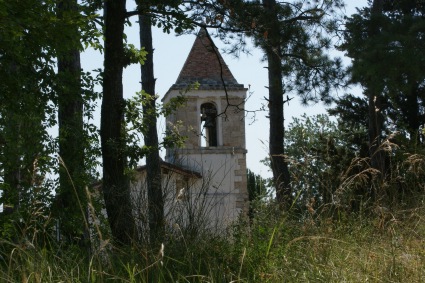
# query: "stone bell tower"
212,119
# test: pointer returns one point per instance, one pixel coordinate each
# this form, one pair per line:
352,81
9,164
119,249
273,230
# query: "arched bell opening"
209,125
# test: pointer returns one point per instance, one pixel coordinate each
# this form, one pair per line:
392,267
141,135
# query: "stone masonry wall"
231,146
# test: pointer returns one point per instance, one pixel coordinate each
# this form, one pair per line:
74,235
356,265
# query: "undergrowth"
385,246
378,241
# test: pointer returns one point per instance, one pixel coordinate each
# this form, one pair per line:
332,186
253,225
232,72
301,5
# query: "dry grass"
383,243
350,250
388,247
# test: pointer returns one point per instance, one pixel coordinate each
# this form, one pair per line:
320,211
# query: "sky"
169,56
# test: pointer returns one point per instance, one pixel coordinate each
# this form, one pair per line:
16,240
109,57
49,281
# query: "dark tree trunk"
71,198
376,154
11,168
11,141
116,189
153,163
412,114
281,177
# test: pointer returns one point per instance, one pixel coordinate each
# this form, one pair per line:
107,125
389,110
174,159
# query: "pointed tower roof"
205,65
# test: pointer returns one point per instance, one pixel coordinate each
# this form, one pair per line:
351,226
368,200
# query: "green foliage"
351,111
391,62
257,191
305,30
137,123
257,188
31,40
26,112
319,151
133,55
92,151
387,62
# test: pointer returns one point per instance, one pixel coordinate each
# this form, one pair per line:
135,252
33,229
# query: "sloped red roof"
175,168
206,66
164,165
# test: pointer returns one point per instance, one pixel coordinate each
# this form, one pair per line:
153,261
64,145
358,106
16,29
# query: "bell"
209,123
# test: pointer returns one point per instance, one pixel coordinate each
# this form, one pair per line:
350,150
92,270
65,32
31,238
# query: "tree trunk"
12,154
11,187
116,189
153,162
279,165
376,154
413,114
71,198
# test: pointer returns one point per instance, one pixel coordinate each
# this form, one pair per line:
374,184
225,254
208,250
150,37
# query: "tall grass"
383,243
275,247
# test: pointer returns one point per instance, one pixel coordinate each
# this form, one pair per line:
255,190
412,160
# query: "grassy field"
385,246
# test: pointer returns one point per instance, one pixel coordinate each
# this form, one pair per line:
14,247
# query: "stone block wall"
233,122
224,166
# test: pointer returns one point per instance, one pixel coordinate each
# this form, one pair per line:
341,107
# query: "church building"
205,180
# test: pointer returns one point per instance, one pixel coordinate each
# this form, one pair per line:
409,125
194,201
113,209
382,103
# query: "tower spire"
206,66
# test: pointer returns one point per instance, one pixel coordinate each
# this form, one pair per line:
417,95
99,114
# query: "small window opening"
209,125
